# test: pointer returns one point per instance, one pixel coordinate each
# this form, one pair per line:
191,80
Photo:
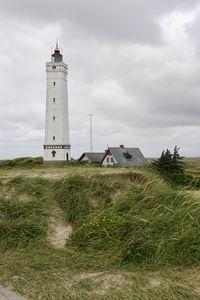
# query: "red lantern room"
57,56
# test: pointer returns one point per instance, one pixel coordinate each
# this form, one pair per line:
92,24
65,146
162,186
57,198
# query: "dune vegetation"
134,236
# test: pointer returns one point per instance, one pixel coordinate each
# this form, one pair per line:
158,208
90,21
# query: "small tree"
170,165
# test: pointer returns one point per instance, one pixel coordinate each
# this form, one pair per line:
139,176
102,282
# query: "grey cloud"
130,20
142,93
193,29
145,95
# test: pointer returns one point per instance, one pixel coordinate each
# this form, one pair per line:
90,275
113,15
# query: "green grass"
22,162
22,224
134,237
148,223
192,167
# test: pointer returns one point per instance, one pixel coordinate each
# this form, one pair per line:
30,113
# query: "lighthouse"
57,145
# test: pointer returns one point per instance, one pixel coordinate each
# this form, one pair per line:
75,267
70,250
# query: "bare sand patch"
58,231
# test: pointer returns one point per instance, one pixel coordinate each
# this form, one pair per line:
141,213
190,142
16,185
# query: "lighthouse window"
54,138
54,100
54,83
54,118
53,153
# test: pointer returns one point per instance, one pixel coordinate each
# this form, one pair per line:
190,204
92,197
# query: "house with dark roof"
92,157
123,157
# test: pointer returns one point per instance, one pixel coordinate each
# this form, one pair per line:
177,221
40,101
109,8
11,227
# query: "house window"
112,160
54,83
53,153
54,67
54,100
127,155
54,118
107,159
54,138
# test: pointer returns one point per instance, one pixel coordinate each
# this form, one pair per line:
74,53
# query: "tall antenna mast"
91,132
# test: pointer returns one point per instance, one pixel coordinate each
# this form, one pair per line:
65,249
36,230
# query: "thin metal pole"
91,132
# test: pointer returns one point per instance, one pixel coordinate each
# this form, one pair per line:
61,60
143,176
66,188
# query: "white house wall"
109,162
85,159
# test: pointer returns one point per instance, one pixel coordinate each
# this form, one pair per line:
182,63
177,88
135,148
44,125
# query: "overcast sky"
135,64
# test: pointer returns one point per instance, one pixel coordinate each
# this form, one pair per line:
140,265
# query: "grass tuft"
79,196
22,224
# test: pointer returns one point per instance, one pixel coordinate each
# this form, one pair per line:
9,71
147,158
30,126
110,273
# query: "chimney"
121,146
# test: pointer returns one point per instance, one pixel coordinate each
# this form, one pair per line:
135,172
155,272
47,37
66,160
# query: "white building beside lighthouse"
57,145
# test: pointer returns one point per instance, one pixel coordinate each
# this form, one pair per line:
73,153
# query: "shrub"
170,166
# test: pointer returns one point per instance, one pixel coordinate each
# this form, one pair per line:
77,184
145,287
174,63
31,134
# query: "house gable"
109,159
124,157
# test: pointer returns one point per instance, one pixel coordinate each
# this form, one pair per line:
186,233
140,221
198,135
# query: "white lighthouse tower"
57,145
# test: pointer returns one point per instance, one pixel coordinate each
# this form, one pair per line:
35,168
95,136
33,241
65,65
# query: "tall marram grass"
22,223
24,212
146,223
36,186
79,195
130,219
120,222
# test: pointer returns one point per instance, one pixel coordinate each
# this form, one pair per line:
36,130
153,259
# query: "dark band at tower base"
57,146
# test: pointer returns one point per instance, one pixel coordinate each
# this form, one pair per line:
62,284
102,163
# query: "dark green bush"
170,166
